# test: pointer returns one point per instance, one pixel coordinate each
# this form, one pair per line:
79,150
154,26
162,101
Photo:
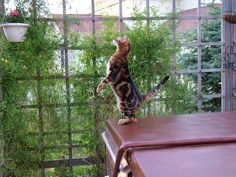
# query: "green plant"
15,16
40,112
152,49
20,127
211,58
149,61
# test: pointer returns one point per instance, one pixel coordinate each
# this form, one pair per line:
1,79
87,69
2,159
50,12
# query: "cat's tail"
153,92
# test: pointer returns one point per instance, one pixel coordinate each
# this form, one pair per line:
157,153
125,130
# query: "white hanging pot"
15,32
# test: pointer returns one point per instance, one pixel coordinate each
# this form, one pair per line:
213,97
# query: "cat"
127,95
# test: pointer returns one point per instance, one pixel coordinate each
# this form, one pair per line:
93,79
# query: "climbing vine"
35,106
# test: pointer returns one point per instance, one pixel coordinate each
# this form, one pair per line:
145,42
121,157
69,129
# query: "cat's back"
124,86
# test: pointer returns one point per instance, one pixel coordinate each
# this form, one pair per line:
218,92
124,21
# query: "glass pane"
31,115
211,83
55,139
27,94
73,61
55,119
9,5
105,8
88,170
162,7
78,117
72,6
187,30
187,8
211,57
154,107
81,153
53,91
211,105
211,30
56,67
184,98
52,154
128,7
211,4
81,27
55,6
78,7
187,58
60,170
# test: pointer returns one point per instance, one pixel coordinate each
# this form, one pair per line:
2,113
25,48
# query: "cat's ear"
115,42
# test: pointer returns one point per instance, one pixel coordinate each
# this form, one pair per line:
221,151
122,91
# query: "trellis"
228,74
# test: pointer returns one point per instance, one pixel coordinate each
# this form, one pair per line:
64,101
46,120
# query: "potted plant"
15,27
230,17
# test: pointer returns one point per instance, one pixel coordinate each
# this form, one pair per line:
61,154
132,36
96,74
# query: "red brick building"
84,23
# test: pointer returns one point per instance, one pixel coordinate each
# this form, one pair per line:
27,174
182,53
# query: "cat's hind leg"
127,121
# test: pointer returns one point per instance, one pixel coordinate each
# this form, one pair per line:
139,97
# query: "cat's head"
122,43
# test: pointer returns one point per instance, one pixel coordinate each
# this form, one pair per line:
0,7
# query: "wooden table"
196,145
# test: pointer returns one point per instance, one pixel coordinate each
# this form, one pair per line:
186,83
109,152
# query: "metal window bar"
148,12
174,56
93,17
67,82
39,100
199,61
121,26
100,18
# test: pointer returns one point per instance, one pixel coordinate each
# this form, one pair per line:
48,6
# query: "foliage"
211,58
22,152
30,133
149,61
15,16
148,65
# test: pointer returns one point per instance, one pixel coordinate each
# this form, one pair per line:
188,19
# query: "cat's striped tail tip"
166,78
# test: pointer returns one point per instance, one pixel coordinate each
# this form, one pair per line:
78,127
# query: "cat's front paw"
98,90
100,87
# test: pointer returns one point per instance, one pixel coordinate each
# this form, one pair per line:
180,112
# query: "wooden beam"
228,56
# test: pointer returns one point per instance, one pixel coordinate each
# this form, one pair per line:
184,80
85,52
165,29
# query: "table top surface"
197,161
199,145
174,130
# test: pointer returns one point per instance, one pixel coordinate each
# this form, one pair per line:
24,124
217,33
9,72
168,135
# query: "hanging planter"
15,32
230,17
14,28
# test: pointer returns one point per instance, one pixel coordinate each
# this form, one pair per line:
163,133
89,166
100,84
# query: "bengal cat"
127,95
